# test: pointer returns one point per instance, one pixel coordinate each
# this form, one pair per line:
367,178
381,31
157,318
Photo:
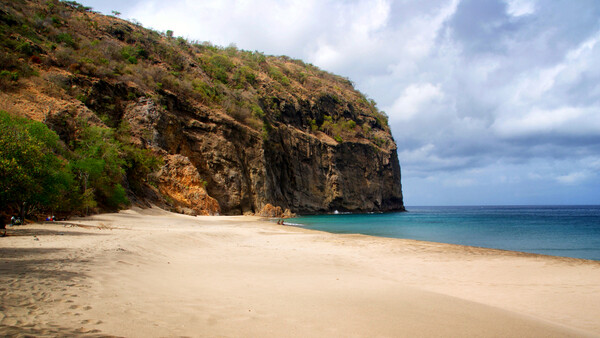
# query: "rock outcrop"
272,211
179,181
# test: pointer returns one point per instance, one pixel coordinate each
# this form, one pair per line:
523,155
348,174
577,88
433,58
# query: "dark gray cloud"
483,26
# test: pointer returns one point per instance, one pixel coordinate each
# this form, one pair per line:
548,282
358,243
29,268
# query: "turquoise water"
569,231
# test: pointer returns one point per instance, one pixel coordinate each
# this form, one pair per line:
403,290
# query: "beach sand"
150,273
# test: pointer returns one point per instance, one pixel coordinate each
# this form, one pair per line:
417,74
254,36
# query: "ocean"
569,231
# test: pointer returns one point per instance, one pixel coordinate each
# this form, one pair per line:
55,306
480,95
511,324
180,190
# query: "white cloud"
415,99
572,178
281,27
565,120
422,31
520,7
459,182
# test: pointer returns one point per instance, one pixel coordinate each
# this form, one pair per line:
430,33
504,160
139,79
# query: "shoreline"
168,274
565,231
483,248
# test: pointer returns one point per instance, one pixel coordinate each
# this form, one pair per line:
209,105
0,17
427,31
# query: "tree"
138,163
32,174
98,163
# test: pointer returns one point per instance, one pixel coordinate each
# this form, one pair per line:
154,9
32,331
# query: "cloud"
272,26
415,99
460,182
520,7
572,178
569,121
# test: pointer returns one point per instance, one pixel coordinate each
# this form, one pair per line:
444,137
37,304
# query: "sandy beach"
150,273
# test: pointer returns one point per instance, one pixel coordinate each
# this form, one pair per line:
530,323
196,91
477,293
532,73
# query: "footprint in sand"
87,308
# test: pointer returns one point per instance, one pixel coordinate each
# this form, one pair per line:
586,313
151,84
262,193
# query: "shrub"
65,38
302,77
8,80
11,63
35,59
182,41
267,128
278,76
131,54
379,141
207,93
231,50
327,126
26,48
366,129
56,21
257,111
82,98
12,76
65,56
244,75
218,67
382,119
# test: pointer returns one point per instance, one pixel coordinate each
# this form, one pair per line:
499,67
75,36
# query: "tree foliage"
37,172
33,174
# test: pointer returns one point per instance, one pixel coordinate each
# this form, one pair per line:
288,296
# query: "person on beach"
15,220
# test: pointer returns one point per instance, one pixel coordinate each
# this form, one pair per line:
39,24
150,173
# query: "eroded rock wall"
180,182
308,174
290,168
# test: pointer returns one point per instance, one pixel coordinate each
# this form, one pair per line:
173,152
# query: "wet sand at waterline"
150,273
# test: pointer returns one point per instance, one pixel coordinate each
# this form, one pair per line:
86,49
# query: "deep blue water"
570,231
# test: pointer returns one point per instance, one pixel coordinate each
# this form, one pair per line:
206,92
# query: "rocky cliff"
237,130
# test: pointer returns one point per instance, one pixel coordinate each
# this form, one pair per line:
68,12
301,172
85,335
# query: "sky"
491,102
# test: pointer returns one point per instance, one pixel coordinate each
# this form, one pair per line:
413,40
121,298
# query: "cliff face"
237,130
290,168
308,174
